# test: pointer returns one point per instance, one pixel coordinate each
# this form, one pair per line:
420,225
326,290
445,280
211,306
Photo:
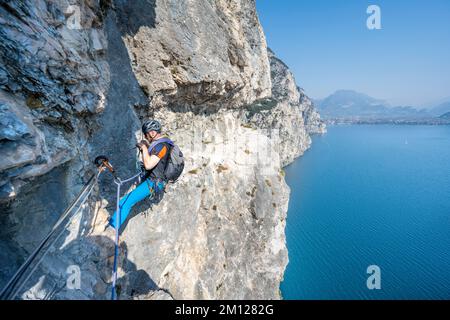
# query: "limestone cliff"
76,79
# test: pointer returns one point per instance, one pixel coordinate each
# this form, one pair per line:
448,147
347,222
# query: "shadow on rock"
134,14
133,283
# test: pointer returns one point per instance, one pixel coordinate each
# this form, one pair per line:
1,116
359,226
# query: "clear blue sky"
328,47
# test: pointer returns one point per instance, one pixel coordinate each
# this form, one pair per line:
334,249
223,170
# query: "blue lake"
370,195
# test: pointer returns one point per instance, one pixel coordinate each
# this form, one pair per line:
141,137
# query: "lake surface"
370,195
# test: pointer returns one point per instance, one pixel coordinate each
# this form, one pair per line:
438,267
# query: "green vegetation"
259,106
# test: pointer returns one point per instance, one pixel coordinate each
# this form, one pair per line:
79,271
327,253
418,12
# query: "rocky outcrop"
288,115
75,81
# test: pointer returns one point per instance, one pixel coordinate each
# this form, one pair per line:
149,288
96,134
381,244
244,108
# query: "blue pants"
142,191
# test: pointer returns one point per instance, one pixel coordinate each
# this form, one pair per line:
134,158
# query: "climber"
155,155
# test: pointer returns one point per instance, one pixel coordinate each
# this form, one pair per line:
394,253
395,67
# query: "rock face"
77,78
180,65
53,77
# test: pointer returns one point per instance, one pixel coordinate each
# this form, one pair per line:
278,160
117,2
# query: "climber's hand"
145,142
143,145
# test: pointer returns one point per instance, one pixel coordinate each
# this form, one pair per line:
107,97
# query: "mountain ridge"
348,104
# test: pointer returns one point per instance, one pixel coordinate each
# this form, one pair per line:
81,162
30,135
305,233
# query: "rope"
53,242
119,183
9,291
15,285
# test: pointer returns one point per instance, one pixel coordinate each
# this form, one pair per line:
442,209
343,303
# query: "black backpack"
175,161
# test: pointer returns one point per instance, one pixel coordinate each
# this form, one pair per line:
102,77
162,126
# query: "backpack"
175,161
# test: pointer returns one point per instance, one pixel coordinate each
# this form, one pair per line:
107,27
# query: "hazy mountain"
445,116
437,102
352,104
440,109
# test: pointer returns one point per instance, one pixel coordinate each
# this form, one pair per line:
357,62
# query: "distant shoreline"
427,121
